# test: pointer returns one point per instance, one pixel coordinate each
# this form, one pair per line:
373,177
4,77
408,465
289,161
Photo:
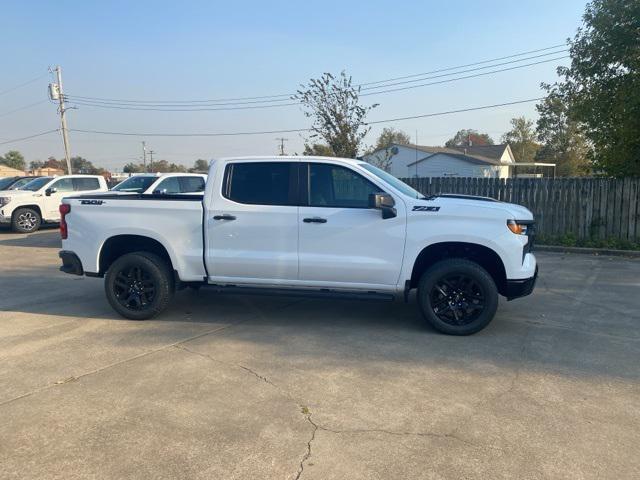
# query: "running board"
301,292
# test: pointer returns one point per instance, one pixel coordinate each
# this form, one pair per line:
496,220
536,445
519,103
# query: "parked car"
305,226
14,183
162,184
37,201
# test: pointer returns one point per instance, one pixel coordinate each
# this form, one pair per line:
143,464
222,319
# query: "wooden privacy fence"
587,208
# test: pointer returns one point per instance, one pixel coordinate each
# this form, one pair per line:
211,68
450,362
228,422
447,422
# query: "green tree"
338,118
35,164
522,139
13,159
562,141
601,87
200,166
132,168
381,154
468,137
318,150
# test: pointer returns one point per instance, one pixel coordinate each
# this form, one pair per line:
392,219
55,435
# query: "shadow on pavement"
48,237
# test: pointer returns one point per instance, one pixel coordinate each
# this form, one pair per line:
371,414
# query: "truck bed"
173,220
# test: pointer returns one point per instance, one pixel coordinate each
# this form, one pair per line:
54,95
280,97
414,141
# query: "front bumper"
70,263
521,288
4,219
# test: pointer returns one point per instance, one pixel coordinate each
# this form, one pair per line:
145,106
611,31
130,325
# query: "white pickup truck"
304,226
37,202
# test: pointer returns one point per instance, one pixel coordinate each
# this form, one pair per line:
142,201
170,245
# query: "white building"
492,161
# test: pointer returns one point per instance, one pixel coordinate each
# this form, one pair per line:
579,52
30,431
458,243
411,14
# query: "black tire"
139,285
457,296
26,220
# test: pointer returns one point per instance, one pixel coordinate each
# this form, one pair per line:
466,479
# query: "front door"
342,240
252,229
59,189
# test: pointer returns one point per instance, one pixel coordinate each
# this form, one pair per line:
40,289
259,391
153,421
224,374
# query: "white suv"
38,201
163,184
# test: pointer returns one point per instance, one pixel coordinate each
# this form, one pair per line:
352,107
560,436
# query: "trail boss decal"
92,202
424,208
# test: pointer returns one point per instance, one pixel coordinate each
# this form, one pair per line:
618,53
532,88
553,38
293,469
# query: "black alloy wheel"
457,299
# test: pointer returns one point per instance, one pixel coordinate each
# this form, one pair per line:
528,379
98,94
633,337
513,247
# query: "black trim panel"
521,288
70,263
138,196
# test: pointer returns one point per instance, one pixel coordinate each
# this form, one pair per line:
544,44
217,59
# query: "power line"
23,84
22,108
30,136
295,130
409,87
470,64
286,96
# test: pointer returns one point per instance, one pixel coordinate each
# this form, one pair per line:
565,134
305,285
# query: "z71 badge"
424,208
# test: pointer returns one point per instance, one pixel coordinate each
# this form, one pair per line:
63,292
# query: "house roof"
481,154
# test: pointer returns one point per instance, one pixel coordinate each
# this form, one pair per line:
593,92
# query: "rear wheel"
457,296
25,220
139,285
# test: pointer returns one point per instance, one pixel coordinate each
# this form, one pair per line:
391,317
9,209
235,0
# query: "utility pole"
144,156
63,121
151,152
282,140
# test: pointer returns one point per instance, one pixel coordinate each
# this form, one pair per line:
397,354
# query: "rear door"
252,229
342,240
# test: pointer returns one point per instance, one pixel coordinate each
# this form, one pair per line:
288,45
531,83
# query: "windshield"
5,182
36,184
20,183
391,180
137,184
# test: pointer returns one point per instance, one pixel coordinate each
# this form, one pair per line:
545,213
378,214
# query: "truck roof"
300,158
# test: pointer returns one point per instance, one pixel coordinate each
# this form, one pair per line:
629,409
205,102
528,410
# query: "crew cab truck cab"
38,201
304,226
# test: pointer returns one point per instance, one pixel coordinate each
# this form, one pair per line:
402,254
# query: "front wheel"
139,285
25,220
457,296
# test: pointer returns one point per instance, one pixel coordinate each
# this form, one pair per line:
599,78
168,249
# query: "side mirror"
383,202
160,191
49,191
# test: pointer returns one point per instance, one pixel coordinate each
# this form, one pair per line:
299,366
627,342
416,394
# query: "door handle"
224,217
315,220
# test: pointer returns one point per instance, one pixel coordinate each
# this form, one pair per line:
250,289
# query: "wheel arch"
480,254
31,206
116,246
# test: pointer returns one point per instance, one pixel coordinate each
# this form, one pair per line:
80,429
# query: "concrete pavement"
226,386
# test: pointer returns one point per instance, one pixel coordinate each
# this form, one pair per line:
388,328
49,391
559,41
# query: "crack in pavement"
120,362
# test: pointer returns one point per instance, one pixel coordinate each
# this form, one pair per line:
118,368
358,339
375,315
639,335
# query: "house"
47,171
404,161
6,171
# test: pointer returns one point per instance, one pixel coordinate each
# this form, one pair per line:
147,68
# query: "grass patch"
570,240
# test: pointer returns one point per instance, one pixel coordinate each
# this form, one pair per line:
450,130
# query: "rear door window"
261,183
191,184
84,184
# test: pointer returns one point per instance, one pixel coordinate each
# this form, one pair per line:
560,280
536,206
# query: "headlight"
519,228
4,201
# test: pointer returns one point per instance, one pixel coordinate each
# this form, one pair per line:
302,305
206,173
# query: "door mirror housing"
50,190
160,191
383,202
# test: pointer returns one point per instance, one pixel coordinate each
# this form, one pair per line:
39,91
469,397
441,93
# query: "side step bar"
300,292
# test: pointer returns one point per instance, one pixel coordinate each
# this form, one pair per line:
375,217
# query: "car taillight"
64,209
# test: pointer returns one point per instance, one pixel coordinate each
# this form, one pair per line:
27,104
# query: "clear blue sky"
185,50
